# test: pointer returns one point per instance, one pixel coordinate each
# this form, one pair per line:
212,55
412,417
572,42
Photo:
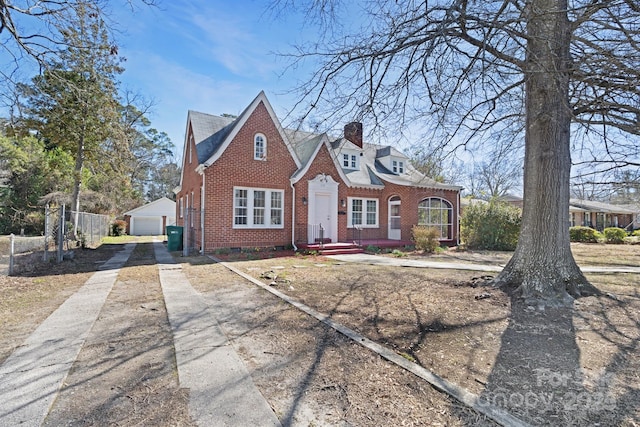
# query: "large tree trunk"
542,270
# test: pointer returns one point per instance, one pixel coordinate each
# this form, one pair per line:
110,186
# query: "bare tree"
31,28
488,180
467,69
32,33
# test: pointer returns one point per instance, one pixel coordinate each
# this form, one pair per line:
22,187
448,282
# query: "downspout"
202,211
293,217
458,215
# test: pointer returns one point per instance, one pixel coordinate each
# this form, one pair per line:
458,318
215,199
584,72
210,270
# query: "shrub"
584,234
614,235
34,223
425,238
373,249
119,228
494,226
636,233
398,253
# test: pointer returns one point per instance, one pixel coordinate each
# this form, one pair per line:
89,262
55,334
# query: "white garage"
151,219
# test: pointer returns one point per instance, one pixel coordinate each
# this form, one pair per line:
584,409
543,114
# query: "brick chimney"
353,132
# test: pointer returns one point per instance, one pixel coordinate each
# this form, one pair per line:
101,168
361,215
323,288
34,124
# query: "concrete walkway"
32,376
403,262
222,392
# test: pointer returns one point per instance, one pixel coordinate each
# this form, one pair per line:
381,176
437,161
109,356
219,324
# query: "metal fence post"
45,256
61,233
12,239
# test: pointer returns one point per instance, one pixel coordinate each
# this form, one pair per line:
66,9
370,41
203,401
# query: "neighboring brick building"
249,183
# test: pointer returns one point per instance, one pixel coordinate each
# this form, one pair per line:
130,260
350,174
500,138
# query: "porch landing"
342,248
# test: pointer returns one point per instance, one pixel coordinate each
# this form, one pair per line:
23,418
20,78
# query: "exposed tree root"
545,288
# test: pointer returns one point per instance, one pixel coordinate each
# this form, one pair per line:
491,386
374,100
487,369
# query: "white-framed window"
191,210
258,208
436,213
350,161
397,166
363,213
260,147
276,208
191,144
181,208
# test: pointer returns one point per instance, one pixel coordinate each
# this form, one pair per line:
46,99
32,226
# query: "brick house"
249,183
600,215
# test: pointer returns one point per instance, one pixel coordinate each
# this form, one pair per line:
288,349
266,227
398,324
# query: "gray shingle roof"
593,206
304,143
211,131
204,125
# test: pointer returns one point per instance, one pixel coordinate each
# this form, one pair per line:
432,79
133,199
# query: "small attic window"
397,166
350,161
260,147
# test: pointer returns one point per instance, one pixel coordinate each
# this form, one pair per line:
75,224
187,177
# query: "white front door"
324,214
394,220
323,208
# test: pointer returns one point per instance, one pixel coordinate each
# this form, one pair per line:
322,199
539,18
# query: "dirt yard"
561,367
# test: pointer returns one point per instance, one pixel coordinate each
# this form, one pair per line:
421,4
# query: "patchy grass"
132,239
435,318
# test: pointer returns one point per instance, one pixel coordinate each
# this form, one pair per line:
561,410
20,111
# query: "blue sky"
210,56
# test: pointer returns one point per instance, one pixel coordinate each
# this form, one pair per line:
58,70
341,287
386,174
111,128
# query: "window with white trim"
276,208
257,208
363,213
191,210
260,147
397,166
350,161
437,213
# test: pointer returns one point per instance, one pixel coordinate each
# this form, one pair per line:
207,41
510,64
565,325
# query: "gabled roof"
305,144
389,151
593,206
411,177
160,206
344,144
316,143
204,125
213,134
214,145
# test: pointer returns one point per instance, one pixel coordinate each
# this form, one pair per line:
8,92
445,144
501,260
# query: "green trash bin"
174,238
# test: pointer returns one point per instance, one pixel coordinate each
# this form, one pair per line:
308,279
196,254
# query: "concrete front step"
343,251
334,248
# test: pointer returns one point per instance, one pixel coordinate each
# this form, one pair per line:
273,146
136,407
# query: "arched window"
436,213
260,147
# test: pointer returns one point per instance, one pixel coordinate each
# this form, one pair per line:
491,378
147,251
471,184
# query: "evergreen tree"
73,105
31,171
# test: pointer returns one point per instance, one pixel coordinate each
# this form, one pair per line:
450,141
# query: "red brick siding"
237,167
410,198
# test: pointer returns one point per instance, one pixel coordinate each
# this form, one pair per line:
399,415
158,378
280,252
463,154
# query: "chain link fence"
192,231
19,253
91,227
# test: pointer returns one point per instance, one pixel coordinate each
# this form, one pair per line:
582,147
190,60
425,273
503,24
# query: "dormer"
393,160
350,148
